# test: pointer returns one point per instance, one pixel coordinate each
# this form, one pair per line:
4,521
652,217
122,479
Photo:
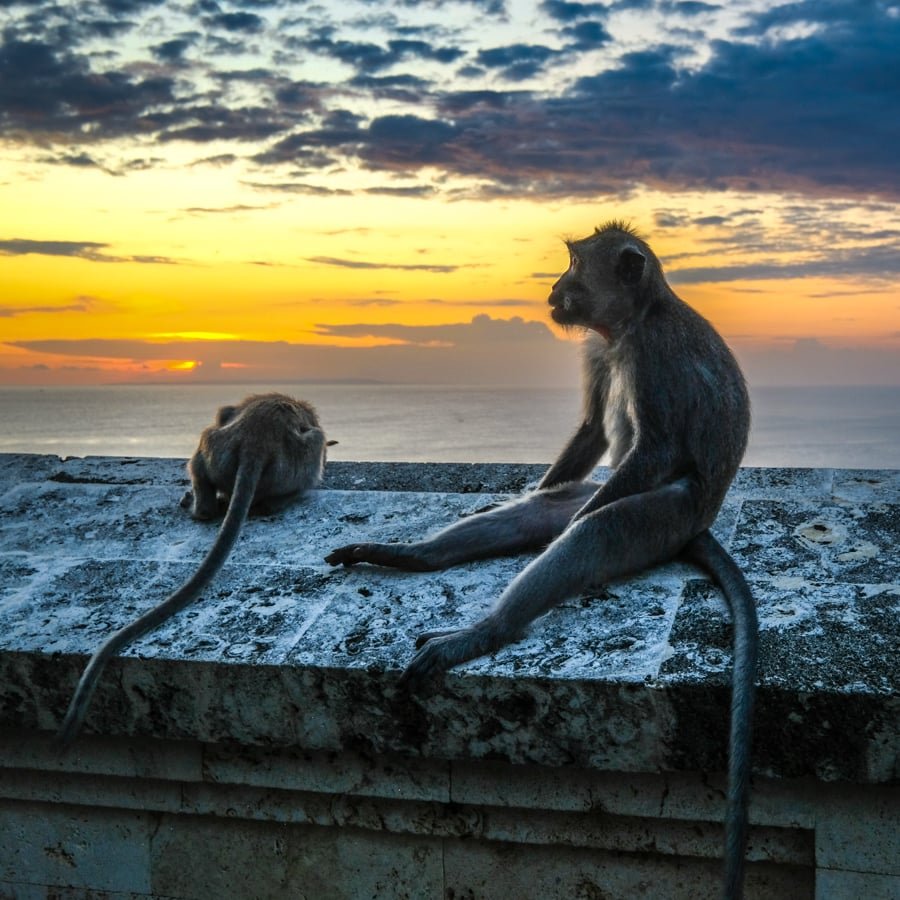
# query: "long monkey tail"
245,483
708,553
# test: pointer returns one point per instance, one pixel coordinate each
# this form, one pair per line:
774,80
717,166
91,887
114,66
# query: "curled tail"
241,499
708,553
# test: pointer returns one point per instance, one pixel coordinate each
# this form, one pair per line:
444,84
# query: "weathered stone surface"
188,820
74,846
283,650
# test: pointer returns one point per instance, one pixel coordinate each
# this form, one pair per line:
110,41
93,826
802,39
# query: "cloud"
570,12
417,191
485,351
804,114
90,250
238,22
78,160
217,210
810,361
793,98
24,247
481,330
516,62
370,57
363,264
9,312
878,262
174,50
46,91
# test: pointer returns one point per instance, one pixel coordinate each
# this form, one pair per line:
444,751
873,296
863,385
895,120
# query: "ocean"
848,427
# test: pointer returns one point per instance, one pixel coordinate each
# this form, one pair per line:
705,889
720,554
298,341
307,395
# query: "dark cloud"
296,187
219,123
437,301
23,247
516,62
806,115
76,160
587,36
237,208
369,57
173,50
238,22
418,191
879,262
46,91
569,12
90,250
482,329
363,264
691,7
9,312
758,111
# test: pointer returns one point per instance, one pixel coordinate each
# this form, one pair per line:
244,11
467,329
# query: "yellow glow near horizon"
269,267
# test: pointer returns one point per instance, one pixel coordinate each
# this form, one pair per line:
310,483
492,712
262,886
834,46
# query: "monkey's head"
606,280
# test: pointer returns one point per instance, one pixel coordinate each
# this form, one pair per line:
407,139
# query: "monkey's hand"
438,651
397,556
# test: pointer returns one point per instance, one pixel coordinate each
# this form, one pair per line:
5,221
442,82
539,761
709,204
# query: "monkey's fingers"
441,650
348,556
426,636
396,556
342,556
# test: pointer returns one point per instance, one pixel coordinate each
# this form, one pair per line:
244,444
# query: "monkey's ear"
225,415
630,266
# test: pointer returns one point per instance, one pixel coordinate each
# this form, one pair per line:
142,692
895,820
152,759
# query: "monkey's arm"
648,464
527,523
579,456
625,537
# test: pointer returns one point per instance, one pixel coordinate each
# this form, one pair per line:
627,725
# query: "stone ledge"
258,745
284,650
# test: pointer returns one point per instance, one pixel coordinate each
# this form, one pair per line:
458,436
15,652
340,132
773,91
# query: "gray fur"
263,453
664,397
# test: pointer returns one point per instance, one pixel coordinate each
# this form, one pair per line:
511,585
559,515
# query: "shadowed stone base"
257,745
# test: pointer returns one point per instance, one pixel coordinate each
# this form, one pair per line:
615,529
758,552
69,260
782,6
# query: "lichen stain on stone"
820,533
861,552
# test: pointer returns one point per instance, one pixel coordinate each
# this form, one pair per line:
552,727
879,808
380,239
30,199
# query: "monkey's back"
282,433
689,390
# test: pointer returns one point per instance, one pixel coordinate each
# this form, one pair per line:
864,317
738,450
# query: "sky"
259,190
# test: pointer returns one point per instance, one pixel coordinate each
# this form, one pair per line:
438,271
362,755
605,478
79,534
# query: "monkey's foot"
438,651
397,556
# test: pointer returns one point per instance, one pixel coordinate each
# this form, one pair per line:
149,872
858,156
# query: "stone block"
91,790
346,773
198,857
175,760
858,830
833,885
73,846
498,871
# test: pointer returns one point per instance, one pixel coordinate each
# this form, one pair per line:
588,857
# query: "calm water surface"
857,427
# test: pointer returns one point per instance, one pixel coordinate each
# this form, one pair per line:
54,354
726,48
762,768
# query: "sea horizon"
842,426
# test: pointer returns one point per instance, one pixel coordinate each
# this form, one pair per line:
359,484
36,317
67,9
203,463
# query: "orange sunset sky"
268,191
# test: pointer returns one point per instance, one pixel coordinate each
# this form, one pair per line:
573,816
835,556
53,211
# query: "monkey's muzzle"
562,308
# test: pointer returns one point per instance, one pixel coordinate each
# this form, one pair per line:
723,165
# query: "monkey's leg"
204,498
527,523
625,537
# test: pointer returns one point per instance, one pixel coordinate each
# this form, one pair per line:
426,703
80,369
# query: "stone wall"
258,744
